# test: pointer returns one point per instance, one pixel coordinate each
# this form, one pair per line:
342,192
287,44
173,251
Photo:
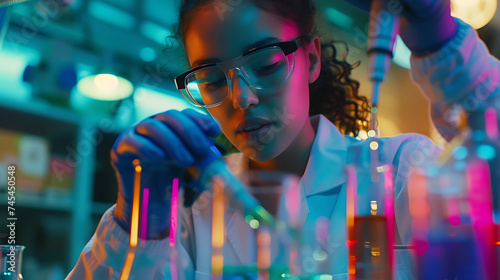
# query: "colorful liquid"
450,258
369,249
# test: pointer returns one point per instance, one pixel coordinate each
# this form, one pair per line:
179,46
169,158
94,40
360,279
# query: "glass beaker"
370,222
11,261
452,222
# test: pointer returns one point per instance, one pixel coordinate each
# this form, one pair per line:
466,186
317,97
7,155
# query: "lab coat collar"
325,167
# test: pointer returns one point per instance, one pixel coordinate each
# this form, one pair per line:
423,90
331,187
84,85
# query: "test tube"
370,222
177,197
263,252
218,227
134,224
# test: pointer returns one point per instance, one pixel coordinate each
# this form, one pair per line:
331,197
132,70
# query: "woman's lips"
257,133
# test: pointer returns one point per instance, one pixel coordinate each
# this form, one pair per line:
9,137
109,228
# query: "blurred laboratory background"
75,73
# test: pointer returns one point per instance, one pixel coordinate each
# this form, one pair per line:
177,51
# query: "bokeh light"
477,13
485,152
254,224
105,87
147,54
460,152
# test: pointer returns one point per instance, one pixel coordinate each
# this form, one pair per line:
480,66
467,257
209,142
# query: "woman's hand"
427,25
166,144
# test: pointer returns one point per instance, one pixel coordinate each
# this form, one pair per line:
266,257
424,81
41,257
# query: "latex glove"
427,25
181,138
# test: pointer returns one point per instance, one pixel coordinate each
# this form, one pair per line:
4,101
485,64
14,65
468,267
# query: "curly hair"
342,104
334,94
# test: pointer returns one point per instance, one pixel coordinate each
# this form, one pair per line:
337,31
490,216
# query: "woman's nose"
243,94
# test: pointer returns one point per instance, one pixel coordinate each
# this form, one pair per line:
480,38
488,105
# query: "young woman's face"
220,33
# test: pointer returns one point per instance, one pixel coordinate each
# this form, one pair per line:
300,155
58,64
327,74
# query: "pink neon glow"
453,211
352,186
478,179
144,218
174,211
292,201
420,243
173,228
389,212
491,123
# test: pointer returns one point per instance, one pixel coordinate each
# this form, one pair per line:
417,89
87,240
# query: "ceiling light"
100,95
105,87
477,13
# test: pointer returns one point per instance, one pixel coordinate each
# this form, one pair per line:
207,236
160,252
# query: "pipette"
212,167
384,26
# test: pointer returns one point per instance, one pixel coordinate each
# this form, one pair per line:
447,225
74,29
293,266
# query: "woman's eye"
215,85
268,68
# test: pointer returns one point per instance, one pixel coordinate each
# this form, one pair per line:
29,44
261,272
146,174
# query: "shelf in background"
43,109
50,112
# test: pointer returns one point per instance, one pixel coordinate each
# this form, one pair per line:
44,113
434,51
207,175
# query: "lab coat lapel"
338,235
324,188
324,170
325,167
239,241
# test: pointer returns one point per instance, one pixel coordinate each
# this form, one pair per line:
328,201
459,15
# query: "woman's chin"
262,153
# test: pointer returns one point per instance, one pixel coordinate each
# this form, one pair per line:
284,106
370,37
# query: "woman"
257,68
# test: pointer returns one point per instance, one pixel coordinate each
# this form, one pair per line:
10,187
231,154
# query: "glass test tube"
370,223
175,228
218,228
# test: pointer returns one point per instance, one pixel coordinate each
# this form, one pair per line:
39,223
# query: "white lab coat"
450,75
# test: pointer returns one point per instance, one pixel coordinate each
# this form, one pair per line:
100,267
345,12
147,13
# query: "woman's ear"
313,51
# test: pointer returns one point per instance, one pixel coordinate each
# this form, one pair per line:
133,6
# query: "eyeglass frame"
287,47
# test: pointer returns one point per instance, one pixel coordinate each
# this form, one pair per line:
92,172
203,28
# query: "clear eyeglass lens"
207,86
264,68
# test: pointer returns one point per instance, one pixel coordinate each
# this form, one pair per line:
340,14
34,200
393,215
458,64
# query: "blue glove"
166,144
427,25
